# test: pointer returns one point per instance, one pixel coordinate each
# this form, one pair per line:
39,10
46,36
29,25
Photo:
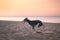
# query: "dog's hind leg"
36,28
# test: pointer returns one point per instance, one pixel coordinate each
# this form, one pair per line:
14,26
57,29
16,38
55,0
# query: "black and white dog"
33,23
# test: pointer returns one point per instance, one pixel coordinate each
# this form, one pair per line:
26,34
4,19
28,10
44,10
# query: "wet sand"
16,30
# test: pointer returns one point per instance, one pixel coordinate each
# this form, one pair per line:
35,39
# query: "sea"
49,19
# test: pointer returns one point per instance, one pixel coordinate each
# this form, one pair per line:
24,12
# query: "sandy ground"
16,30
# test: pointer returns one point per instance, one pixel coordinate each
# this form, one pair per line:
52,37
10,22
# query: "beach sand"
16,30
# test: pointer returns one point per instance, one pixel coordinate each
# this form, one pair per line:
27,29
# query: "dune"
18,30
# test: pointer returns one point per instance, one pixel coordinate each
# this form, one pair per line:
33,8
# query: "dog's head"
25,20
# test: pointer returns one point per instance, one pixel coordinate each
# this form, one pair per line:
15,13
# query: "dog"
33,23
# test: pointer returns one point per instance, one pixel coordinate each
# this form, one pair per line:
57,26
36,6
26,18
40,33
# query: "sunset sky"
29,7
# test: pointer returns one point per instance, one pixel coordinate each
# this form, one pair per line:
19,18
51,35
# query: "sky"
29,7
43,19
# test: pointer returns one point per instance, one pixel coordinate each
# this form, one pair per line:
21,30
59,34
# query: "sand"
16,30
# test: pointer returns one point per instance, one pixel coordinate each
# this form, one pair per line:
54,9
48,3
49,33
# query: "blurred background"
43,19
29,7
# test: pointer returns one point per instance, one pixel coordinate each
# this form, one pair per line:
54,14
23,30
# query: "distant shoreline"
20,21
43,19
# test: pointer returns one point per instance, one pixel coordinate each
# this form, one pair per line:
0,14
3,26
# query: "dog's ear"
26,18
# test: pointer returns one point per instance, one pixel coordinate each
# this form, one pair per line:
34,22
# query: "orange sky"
29,7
